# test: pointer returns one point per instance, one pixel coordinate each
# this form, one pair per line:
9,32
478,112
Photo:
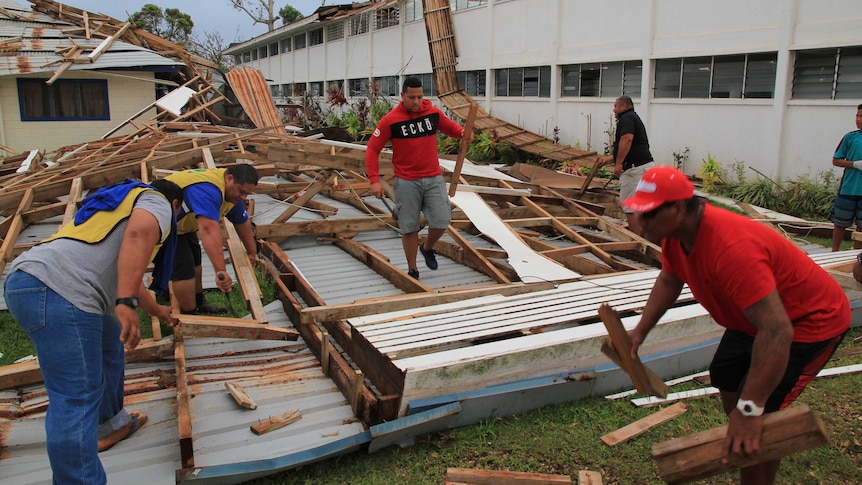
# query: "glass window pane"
571,74
814,74
516,81
727,77
501,81
531,81
667,75
545,81
632,75
612,79
695,77
760,76
849,84
590,76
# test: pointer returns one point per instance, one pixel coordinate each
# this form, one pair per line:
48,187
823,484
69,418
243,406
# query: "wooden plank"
587,477
462,149
643,425
272,424
240,395
644,380
502,477
246,329
699,455
184,413
11,236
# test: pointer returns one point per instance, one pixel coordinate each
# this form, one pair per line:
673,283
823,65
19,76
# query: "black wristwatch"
131,302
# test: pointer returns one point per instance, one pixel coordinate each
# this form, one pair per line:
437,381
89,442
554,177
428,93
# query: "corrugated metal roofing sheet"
42,36
279,375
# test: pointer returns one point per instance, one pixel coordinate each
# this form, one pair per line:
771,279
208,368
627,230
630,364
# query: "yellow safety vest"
189,223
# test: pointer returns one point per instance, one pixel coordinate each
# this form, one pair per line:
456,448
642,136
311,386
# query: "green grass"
564,439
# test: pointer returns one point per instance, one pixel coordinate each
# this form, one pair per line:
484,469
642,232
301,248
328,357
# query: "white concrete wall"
780,137
125,98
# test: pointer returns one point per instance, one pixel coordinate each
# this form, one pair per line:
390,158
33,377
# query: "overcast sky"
208,15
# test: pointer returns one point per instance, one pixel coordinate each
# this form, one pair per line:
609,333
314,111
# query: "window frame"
315,37
837,87
517,79
53,94
673,71
387,17
335,31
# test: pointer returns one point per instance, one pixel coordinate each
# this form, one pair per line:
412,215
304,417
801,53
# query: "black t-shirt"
630,122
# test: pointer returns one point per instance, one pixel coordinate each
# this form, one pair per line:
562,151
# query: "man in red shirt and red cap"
784,315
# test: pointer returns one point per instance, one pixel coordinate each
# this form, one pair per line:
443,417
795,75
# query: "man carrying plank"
784,315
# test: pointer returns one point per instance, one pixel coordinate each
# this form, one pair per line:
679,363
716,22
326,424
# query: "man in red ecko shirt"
412,127
784,314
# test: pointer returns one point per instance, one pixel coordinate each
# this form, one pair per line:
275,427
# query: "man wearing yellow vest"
62,293
209,195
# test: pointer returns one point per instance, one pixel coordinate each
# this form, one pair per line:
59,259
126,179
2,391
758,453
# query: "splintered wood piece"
699,455
643,425
240,395
499,477
272,424
619,348
587,477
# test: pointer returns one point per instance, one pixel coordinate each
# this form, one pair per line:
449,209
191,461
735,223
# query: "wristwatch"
859,258
131,302
748,408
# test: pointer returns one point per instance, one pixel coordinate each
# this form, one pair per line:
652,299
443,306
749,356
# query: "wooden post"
462,150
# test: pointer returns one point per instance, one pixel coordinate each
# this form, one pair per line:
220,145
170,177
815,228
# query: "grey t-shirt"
86,274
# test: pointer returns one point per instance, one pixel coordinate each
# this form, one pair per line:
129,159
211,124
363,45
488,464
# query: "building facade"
773,84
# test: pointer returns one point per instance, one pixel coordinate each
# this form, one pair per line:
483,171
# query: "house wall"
125,98
779,136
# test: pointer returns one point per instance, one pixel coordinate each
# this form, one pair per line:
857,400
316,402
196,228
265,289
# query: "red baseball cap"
659,185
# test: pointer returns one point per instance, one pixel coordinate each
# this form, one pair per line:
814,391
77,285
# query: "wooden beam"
462,149
502,477
184,412
699,455
619,347
208,326
417,300
643,425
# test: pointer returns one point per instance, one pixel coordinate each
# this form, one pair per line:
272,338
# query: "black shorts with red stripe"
732,360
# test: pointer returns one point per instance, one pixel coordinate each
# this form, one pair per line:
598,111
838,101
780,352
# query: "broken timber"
644,379
699,455
643,425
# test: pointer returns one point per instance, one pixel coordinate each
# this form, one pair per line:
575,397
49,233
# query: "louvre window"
828,74
386,86
473,82
735,76
359,24
299,41
385,17
413,11
315,37
523,81
286,45
335,31
607,79
465,4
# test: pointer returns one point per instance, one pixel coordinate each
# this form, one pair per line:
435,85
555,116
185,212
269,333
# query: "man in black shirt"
631,157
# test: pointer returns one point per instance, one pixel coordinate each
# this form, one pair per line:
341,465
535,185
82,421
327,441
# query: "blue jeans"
82,362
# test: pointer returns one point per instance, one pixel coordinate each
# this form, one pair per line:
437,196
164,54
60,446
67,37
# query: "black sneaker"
430,259
413,273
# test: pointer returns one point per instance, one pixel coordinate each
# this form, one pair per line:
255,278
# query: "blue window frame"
64,100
